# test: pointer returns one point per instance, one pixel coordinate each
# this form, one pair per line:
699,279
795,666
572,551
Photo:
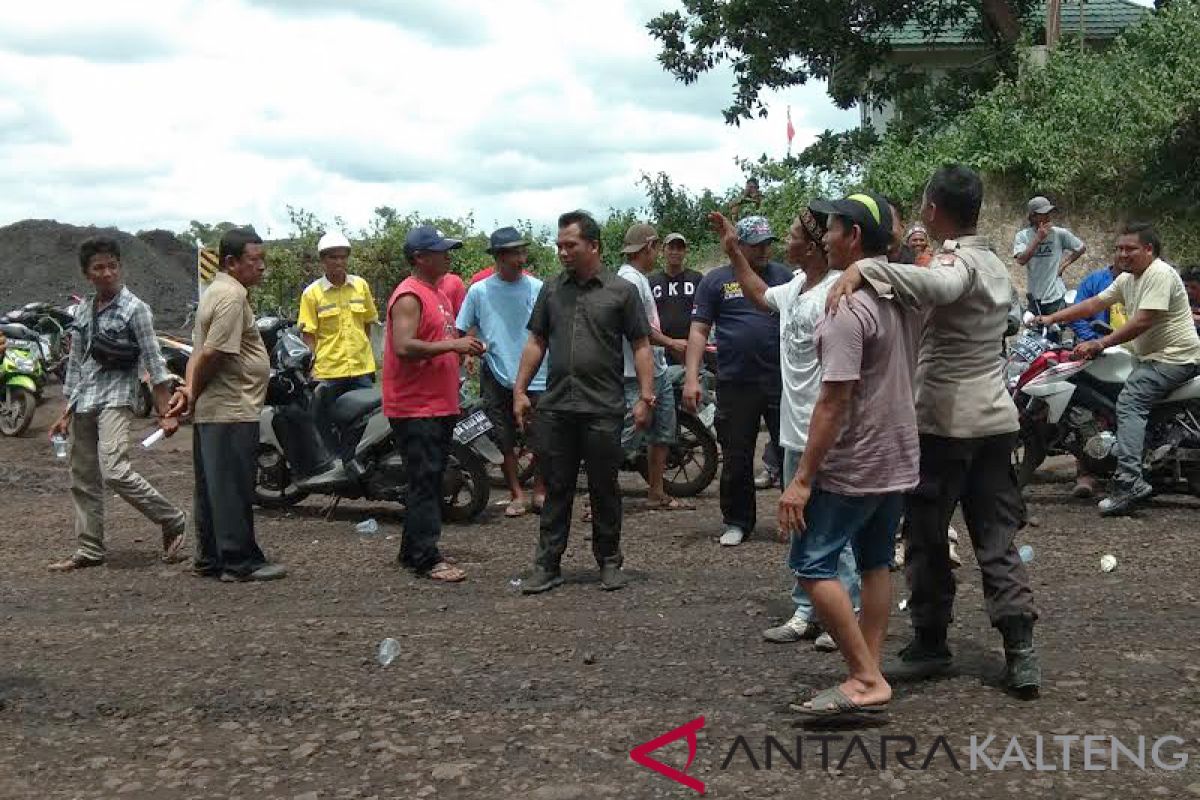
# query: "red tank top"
428,387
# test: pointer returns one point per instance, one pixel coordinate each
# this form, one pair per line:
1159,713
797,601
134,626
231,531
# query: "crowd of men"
871,357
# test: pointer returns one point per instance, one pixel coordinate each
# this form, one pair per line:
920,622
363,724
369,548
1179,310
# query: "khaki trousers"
99,463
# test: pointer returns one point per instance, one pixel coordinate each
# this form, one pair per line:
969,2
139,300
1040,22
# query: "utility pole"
1053,23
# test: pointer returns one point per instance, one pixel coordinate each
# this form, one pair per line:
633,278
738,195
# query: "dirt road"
139,680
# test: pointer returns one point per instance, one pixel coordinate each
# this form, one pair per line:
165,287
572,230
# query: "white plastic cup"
1108,562
60,445
389,648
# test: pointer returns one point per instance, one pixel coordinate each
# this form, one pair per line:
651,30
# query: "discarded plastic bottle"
1026,553
368,527
514,585
389,648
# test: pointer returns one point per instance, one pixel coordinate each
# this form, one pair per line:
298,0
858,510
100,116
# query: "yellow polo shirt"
337,316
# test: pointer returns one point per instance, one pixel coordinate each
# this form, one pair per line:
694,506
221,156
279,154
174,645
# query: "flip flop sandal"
516,508
172,545
671,504
446,573
833,705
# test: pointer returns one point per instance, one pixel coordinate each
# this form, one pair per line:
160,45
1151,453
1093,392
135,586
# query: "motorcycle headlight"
23,364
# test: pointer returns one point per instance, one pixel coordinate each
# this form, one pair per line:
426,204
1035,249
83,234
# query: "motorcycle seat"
353,406
1189,391
15,330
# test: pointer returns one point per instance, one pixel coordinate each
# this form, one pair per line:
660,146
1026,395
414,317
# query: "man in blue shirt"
1088,288
748,382
497,311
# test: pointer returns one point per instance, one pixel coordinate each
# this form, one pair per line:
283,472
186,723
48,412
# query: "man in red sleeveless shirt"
420,393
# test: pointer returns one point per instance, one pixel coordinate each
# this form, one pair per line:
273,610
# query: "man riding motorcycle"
1162,337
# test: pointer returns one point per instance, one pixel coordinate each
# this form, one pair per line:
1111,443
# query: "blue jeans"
847,570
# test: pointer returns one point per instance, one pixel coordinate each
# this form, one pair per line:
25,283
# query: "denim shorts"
662,418
869,522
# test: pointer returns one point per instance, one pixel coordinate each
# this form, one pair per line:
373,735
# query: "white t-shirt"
1044,282
631,274
799,311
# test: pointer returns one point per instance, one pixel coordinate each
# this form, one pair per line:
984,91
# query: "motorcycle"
293,462
176,353
1069,407
21,376
52,327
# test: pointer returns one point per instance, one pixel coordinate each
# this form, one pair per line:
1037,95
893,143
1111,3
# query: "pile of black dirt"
39,261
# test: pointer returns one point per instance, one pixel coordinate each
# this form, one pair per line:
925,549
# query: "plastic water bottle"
1026,553
389,648
368,527
59,443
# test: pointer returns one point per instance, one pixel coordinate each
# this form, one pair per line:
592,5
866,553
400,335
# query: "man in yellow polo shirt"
336,315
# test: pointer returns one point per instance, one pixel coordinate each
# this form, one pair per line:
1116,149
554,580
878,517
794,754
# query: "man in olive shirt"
1162,336
968,427
226,385
582,316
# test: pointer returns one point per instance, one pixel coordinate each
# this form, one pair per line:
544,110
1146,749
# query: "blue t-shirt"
747,338
1091,286
500,311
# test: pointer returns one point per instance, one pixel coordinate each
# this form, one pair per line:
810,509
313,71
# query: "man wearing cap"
968,429
1046,251
748,382
497,310
582,315
640,249
674,292
420,393
335,319
859,459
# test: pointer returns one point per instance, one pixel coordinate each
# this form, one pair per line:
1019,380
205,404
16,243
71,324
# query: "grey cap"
674,237
1040,205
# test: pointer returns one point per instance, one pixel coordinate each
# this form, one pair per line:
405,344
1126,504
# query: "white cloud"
236,109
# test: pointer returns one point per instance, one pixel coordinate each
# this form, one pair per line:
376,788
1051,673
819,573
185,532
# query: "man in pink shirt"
420,393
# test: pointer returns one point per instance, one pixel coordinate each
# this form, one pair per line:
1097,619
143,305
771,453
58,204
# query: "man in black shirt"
582,316
674,290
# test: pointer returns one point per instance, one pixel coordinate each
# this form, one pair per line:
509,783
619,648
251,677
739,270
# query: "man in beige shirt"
968,428
226,385
1162,336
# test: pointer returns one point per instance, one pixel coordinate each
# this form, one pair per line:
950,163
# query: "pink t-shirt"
873,342
453,287
428,387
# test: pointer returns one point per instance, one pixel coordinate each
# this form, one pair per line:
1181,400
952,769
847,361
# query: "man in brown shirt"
226,385
968,426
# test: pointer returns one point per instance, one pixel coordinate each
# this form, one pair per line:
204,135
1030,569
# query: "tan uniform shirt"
966,294
225,322
1172,339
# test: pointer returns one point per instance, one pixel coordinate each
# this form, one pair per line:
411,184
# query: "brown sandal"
446,573
74,562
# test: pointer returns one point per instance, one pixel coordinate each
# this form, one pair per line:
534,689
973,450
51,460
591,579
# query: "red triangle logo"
641,754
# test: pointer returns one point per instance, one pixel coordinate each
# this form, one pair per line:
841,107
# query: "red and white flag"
791,131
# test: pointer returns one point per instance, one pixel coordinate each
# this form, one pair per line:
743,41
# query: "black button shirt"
584,326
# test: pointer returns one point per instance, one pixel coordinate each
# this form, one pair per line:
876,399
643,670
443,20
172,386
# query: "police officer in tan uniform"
968,426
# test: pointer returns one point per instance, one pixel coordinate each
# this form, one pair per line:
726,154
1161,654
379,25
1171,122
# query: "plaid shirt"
89,387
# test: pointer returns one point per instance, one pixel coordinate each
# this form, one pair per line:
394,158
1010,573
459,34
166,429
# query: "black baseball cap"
867,210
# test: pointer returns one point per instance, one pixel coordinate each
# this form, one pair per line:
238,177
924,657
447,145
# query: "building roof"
1102,19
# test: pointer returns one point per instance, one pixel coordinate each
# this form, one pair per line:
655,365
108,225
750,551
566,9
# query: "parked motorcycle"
176,353
292,458
21,377
52,326
1069,407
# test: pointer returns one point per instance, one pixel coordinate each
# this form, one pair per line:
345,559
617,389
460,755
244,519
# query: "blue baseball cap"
754,230
428,238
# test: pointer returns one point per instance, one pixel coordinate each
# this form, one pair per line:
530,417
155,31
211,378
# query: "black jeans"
740,406
424,444
223,459
563,440
327,395
979,474
1045,308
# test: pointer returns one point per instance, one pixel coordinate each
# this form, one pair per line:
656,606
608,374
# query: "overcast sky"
150,114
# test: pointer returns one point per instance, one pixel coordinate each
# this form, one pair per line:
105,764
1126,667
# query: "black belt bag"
109,351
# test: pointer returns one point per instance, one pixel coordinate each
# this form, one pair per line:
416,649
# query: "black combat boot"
1022,671
926,656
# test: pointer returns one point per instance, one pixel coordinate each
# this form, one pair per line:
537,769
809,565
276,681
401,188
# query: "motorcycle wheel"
692,460
274,486
465,488
143,403
16,410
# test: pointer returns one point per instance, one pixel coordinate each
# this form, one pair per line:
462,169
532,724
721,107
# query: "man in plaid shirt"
100,406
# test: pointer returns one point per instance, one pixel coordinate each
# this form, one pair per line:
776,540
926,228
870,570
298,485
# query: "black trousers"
979,474
424,444
563,440
223,459
740,407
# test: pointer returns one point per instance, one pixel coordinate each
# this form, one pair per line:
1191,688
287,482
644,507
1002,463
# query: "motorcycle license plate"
471,428
707,414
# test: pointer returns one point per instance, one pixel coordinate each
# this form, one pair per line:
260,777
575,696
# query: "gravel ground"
139,680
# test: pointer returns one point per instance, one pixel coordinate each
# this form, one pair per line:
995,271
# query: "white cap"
332,240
